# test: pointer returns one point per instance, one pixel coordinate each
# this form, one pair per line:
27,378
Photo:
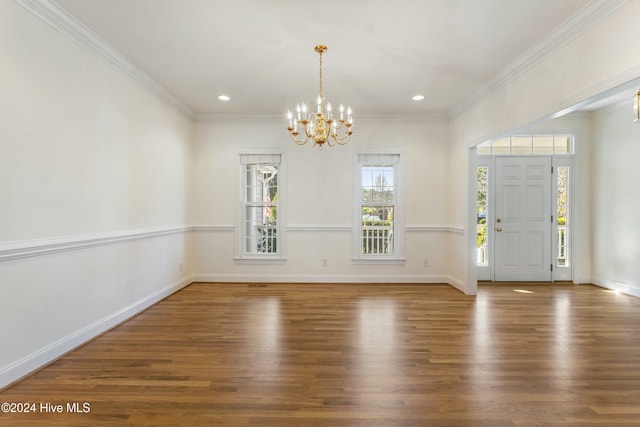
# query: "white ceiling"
381,52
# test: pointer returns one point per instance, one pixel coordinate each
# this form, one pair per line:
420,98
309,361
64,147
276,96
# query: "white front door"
522,221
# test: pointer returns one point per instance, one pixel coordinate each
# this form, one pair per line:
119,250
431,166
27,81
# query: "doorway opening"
523,219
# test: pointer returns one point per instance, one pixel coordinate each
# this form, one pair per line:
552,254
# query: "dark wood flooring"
354,355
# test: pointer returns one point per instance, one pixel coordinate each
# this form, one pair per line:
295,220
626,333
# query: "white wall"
94,178
616,228
598,58
318,201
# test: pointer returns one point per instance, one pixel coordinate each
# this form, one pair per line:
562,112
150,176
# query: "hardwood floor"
354,355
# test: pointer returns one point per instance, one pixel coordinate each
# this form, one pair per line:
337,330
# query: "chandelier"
321,127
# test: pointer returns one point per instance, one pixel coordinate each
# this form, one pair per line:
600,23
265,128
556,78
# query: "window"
378,234
260,224
524,145
481,217
562,216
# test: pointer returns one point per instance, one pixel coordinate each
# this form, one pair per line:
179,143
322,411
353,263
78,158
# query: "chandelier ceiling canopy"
321,127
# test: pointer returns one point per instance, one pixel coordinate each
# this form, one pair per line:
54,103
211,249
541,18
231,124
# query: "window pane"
377,229
543,144
481,221
484,148
377,208
377,184
521,145
562,144
562,216
260,208
501,146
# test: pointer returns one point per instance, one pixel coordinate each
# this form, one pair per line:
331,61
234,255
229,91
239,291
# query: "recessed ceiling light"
418,97
223,97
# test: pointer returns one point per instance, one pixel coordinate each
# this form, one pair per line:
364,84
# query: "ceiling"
381,52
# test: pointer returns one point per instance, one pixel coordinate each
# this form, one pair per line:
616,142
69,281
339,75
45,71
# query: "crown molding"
577,24
240,117
428,117
54,15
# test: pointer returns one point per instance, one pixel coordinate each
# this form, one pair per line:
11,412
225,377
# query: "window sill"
380,260
259,260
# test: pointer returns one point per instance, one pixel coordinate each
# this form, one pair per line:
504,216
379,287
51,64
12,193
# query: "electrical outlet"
180,266
426,262
325,262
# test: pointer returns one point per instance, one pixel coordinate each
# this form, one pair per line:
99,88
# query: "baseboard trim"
624,288
322,278
458,284
26,366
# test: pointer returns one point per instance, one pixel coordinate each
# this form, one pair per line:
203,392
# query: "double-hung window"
260,224
378,207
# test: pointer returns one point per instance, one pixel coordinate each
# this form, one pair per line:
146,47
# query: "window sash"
260,226
377,204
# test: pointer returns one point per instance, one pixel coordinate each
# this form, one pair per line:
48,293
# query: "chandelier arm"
343,140
298,141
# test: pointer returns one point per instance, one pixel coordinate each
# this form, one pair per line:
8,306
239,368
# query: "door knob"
499,229
498,220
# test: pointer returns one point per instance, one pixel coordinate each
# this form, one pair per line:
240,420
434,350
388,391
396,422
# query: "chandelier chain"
321,96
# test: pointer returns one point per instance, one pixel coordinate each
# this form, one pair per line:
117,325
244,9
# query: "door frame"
558,274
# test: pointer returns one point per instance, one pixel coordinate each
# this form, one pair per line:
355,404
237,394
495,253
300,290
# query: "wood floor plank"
354,355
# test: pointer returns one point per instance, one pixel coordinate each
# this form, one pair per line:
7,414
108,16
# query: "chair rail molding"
30,248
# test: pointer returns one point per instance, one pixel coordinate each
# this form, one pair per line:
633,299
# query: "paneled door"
522,221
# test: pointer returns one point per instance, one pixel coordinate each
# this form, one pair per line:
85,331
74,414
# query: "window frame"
563,272
485,271
249,157
397,256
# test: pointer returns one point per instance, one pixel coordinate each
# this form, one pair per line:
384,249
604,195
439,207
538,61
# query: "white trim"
433,229
259,260
40,247
52,14
624,288
459,285
324,228
379,260
213,228
428,117
47,354
584,19
30,248
320,228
